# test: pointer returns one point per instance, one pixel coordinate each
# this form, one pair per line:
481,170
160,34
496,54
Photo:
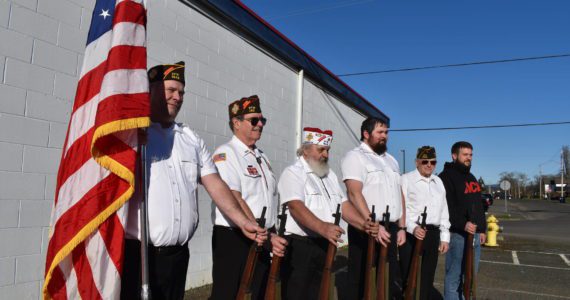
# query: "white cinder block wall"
41,50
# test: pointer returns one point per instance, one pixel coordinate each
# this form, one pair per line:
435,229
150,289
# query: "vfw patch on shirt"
251,170
219,157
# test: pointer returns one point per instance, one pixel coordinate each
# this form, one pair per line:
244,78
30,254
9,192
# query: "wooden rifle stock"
331,252
413,275
468,283
381,278
270,292
369,262
244,291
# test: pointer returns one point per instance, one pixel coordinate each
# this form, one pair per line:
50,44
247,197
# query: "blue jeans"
454,266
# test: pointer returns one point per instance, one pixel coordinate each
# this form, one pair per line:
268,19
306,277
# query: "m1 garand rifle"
415,264
369,268
244,291
272,292
469,284
382,290
325,287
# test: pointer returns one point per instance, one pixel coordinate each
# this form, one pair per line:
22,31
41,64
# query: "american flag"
96,174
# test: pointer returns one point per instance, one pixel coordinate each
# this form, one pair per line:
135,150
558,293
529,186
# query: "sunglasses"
431,162
255,121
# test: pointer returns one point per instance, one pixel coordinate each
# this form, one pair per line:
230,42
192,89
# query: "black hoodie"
463,197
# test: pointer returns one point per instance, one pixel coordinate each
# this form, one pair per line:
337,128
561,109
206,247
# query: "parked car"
487,201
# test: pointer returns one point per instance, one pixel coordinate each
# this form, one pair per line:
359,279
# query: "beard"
379,148
321,167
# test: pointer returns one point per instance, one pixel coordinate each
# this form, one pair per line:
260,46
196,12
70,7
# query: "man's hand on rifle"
371,228
419,233
383,236
482,238
331,232
470,227
401,239
278,244
443,247
254,232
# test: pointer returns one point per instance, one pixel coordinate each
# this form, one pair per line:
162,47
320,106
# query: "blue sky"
365,35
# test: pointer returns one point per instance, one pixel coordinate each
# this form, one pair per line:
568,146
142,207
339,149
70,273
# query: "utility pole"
404,160
540,182
562,171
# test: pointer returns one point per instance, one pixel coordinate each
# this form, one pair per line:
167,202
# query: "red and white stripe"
85,260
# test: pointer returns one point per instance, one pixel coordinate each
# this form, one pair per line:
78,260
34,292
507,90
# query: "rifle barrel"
331,252
248,270
369,261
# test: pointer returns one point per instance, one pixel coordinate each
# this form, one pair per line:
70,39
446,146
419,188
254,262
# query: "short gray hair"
302,149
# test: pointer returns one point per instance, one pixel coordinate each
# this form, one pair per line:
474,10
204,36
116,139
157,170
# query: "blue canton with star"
102,19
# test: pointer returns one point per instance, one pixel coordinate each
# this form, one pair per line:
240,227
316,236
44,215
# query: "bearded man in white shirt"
422,189
178,161
312,192
372,177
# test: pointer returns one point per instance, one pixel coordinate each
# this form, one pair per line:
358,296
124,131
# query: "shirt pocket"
251,182
190,168
374,174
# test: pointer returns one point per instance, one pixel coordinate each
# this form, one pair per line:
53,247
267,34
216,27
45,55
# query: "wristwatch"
403,228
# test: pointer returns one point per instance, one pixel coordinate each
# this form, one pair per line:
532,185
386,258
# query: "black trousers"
302,267
167,271
430,255
229,250
357,245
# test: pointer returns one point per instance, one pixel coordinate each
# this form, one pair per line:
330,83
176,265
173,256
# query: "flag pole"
143,183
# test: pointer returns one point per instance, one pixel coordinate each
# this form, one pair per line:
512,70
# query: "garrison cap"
245,105
167,72
426,152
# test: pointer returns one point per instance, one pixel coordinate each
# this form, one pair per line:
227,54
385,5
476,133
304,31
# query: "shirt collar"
173,127
367,149
305,165
419,177
243,148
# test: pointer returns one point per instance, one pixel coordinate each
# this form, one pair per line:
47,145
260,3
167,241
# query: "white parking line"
539,252
565,259
523,265
541,295
515,258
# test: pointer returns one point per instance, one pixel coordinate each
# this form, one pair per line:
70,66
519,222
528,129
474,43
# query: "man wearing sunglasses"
422,189
246,170
466,215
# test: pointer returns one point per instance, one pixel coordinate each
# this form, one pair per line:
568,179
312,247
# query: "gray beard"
320,169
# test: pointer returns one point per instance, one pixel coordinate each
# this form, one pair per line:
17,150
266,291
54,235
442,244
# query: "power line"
481,127
488,62
317,9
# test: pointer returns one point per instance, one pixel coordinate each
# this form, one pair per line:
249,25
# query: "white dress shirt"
176,160
248,172
419,192
320,195
380,177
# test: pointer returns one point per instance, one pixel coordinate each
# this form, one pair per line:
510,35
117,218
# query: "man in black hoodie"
465,214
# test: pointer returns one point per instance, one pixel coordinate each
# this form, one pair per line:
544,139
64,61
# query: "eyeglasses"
255,121
431,162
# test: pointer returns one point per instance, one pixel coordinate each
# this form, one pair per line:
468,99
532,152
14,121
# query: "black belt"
167,250
161,249
432,227
391,224
271,229
305,238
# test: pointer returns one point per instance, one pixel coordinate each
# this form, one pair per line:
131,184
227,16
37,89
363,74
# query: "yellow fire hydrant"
493,230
